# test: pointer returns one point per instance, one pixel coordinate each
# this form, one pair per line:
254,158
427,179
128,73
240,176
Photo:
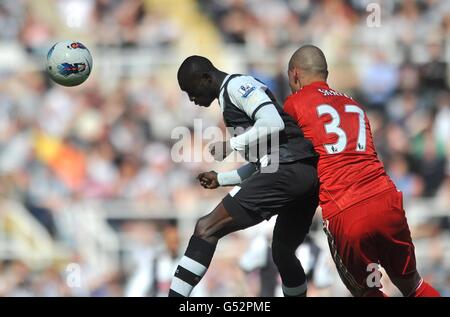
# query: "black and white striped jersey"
240,99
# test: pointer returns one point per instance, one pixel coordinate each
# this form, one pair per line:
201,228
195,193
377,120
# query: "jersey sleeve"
248,94
237,176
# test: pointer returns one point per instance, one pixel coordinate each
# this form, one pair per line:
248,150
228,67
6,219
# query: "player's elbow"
269,118
280,125
276,124
274,127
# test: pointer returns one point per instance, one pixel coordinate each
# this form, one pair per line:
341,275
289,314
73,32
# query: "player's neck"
312,80
219,77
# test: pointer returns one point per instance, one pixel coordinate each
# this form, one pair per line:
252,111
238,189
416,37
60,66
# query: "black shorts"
292,189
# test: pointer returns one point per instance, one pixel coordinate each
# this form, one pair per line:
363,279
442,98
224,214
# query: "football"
69,63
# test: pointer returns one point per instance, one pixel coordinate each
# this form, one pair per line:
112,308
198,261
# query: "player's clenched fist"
208,180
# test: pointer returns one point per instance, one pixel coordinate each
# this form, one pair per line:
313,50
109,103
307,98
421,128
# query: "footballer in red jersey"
363,211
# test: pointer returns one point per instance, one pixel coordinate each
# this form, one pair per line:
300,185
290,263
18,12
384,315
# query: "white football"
69,63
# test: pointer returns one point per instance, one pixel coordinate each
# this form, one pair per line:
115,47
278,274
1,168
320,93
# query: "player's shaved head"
311,59
193,68
200,79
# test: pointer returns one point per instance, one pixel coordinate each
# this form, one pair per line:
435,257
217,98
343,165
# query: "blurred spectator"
11,16
442,120
155,264
379,81
410,184
35,32
434,72
429,156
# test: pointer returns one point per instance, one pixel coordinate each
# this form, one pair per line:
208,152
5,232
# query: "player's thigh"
398,256
353,249
266,194
293,221
221,222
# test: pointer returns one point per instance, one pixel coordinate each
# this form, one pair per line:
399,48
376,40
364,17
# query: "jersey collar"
224,81
316,84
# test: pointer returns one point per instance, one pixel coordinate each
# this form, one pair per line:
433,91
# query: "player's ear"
296,76
206,77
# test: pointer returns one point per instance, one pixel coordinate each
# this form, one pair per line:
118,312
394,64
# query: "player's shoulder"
300,101
243,85
295,97
292,97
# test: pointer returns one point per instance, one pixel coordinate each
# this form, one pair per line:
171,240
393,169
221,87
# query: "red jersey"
349,169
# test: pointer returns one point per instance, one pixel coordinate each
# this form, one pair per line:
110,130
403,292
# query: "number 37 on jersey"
348,125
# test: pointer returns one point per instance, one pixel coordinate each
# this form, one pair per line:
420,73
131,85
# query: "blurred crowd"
111,140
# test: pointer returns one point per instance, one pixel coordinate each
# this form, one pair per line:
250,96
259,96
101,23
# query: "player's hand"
208,180
220,150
